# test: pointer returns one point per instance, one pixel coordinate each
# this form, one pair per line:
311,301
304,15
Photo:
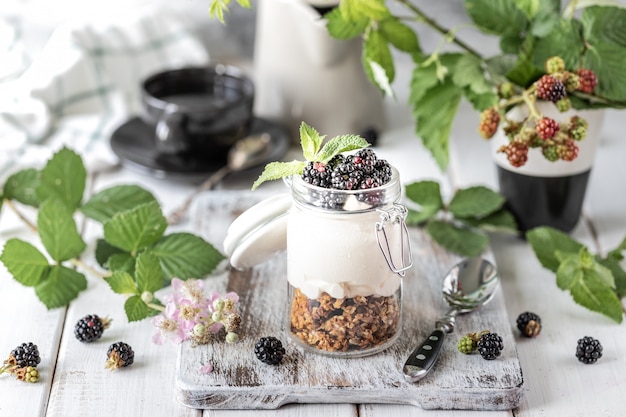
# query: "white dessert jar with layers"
347,252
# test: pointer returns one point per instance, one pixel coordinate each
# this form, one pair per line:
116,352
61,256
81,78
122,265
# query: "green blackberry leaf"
339,144
376,51
564,40
400,35
137,228
107,203
357,9
183,255
427,195
277,170
460,240
529,7
57,230
498,17
311,141
476,201
60,286
63,177
122,283
340,28
104,251
25,262
148,273
589,283
123,262
480,102
469,73
21,187
545,241
136,309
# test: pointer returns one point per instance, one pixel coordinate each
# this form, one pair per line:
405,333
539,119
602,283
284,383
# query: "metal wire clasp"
395,216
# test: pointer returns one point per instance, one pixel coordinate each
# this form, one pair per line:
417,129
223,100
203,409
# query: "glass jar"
347,252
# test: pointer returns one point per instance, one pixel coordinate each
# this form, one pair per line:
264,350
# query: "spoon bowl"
468,285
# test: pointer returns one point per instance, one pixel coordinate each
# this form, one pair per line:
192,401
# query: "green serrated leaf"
123,262
607,60
529,7
136,309
588,286
469,73
499,221
339,144
427,195
277,170
183,255
340,28
460,240
496,17
524,72
311,141
24,261
60,286
616,254
357,9
481,102
137,228
21,187
58,231
475,201
122,283
565,40
545,241
401,36
619,275
148,273
376,49
63,177
107,203
104,251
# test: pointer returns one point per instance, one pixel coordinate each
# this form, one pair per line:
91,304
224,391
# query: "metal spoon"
469,285
245,153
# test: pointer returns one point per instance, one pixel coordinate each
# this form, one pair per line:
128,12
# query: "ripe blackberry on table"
119,355
490,346
588,350
550,89
269,350
529,324
90,328
26,354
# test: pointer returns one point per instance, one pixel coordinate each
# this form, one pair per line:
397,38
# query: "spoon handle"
422,359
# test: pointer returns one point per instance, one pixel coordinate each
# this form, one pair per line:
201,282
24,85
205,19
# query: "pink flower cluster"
191,314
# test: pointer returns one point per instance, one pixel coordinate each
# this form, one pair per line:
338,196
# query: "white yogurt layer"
339,254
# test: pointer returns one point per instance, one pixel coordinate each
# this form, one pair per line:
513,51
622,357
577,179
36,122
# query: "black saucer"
133,143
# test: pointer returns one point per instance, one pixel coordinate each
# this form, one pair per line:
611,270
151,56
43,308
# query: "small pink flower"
166,329
206,369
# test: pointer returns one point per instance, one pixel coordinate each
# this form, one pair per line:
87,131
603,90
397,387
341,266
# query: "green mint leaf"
137,228
104,251
21,187
564,40
616,253
499,221
588,286
340,28
460,240
529,7
57,230
401,36
469,73
61,286
311,141
546,241
476,201
497,17
376,50
183,255
107,203
123,262
619,275
136,309
277,170
340,144
63,177
148,273
24,261
122,283
427,195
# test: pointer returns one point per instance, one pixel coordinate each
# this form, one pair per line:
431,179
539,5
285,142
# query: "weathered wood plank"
240,381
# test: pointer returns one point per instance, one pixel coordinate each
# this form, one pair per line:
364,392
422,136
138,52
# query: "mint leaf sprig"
595,282
137,256
313,150
460,226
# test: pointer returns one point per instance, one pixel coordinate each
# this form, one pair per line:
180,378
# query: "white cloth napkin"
86,82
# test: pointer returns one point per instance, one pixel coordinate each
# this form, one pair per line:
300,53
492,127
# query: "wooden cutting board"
240,381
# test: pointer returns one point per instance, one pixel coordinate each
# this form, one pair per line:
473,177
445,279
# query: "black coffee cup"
198,110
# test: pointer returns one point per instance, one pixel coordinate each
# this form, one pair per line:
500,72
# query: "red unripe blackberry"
568,150
587,80
119,355
90,328
516,153
550,89
489,121
547,128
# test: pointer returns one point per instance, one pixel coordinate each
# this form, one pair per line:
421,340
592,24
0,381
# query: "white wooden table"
75,383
